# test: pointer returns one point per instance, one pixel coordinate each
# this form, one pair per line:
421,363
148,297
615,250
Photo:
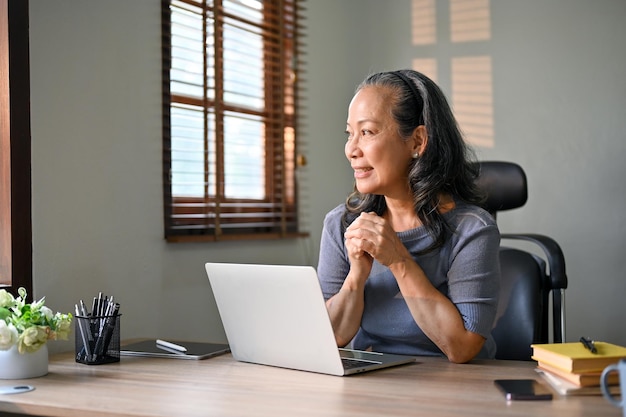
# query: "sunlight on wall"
470,20
427,66
424,22
471,76
472,98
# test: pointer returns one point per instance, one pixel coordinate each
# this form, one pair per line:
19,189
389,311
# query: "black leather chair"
532,285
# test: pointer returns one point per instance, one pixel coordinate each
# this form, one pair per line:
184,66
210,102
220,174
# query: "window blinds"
230,70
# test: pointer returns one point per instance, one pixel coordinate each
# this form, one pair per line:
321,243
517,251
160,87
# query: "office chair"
528,280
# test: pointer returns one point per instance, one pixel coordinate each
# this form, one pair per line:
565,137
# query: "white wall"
96,163
559,100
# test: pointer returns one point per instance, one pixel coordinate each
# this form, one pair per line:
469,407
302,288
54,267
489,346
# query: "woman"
409,264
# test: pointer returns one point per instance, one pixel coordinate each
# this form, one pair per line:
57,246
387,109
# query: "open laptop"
276,315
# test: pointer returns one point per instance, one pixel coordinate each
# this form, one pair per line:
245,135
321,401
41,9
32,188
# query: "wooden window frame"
15,149
215,217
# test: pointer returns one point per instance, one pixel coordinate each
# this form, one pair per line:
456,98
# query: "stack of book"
573,369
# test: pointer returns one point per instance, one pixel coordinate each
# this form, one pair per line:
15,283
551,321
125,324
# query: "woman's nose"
352,149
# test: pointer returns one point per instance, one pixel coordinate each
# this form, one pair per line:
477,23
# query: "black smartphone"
523,389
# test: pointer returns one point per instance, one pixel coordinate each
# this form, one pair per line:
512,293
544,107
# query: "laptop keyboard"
353,363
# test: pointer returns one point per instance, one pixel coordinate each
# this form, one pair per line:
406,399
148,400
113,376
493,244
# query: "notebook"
276,315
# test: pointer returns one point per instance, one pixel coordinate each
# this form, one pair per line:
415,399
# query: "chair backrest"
504,185
528,280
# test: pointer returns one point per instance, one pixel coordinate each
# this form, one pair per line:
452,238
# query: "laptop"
276,315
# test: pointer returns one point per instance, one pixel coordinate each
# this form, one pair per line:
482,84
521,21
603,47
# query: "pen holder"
97,339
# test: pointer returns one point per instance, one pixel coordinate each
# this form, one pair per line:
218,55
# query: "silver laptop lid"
275,315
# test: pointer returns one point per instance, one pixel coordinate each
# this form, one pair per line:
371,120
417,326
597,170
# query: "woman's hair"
446,165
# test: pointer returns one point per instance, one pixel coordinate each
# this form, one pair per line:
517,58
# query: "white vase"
14,365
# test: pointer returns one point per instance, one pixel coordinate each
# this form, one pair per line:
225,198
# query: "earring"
416,155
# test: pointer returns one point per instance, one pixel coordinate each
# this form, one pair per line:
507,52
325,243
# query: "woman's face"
377,154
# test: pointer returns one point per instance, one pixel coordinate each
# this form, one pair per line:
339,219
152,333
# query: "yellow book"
564,387
574,357
585,379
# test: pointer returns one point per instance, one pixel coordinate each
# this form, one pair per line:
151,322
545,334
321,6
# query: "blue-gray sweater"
465,269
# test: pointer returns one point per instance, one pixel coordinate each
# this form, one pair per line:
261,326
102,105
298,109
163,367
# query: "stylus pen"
171,345
589,344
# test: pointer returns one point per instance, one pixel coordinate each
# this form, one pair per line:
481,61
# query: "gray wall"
559,98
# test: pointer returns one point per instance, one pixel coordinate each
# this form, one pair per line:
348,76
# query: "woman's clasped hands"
371,237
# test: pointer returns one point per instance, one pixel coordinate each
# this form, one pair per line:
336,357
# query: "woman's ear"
420,140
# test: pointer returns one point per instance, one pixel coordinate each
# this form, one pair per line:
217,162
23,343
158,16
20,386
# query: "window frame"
217,217
15,144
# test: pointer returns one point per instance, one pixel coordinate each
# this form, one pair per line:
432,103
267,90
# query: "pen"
110,324
107,325
83,333
170,345
589,344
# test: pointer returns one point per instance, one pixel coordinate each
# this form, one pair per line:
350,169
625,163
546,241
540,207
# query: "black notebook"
195,350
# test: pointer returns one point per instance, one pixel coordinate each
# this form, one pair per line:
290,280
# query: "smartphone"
523,389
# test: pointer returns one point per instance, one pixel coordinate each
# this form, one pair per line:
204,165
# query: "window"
15,180
230,70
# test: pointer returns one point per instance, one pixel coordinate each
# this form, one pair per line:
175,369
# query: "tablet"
194,350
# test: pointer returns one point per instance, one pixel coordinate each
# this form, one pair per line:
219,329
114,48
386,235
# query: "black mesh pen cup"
97,339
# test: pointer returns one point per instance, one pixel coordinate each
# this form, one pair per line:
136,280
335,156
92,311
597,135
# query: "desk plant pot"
16,365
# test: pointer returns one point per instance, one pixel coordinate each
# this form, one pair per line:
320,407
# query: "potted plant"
24,331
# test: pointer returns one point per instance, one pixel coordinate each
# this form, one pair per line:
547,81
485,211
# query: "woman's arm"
346,307
345,310
343,271
437,315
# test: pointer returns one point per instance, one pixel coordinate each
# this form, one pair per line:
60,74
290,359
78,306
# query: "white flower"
47,312
29,326
64,326
32,339
8,335
6,298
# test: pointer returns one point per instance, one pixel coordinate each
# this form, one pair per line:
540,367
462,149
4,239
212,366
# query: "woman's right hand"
360,261
346,307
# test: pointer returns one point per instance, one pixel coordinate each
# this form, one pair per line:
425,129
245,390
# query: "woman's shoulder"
335,214
333,229
334,219
469,214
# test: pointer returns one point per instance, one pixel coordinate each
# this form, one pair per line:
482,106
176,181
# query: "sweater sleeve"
333,264
474,274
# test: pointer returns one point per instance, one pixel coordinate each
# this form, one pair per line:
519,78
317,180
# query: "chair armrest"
553,252
557,277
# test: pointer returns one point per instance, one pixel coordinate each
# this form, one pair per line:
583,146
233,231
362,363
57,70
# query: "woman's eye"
361,133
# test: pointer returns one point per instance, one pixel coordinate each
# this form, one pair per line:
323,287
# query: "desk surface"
221,386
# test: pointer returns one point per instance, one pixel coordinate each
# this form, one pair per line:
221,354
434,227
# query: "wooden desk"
221,386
